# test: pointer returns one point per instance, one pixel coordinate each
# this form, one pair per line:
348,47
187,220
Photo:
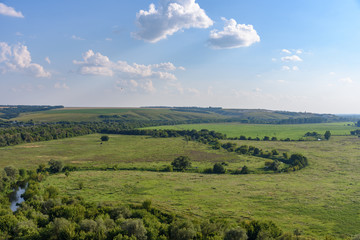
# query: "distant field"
293,131
321,199
92,114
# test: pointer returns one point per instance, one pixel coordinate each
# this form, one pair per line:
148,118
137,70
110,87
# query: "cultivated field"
293,131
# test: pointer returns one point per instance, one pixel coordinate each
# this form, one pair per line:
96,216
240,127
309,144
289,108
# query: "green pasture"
322,199
292,131
92,114
120,151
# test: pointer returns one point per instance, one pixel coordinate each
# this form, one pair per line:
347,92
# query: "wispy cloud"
77,38
233,35
346,80
170,17
59,85
286,51
9,11
47,59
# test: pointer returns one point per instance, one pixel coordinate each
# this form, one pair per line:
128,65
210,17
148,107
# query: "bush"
236,234
134,227
104,138
55,166
181,163
218,168
182,230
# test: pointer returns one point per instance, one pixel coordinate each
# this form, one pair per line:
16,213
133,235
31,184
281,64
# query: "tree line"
13,111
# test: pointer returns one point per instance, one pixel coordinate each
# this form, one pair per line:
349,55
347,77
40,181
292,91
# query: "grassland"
122,151
92,114
321,199
294,131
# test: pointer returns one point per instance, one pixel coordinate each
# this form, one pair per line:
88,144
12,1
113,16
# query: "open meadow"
293,131
321,199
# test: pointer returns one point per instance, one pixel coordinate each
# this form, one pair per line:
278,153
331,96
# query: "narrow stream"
15,197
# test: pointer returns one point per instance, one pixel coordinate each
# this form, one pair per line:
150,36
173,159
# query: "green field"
122,151
321,199
294,131
92,114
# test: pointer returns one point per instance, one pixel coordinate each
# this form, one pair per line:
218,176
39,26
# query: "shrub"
236,234
104,138
55,166
181,163
218,168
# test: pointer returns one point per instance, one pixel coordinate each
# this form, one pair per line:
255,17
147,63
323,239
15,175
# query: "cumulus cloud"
17,58
233,35
293,58
9,11
135,76
170,17
98,64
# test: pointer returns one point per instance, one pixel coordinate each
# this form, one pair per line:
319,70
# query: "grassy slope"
320,199
92,114
294,131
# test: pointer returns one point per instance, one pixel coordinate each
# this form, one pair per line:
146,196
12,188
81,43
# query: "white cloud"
346,80
9,11
47,59
286,51
77,38
17,58
135,77
19,34
61,85
293,58
332,73
285,68
170,17
273,59
193,91
281,81
257,90
233,35
143,85
108,39
295,68
299,51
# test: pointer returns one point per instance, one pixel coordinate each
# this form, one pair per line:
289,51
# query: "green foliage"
181,163
236,234
11,172
134,227
104,138
55,166
327,135
183,230
218,168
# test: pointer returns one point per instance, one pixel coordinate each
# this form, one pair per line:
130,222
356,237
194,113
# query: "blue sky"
299,55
